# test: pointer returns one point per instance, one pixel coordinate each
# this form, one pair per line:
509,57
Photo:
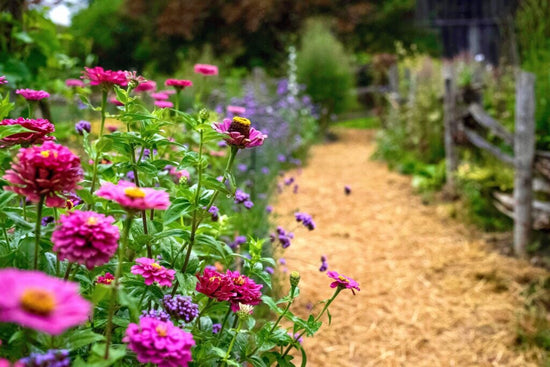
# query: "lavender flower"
82,126
52,358
281,158
306,220
347,189
215,213
289,181
216,328
242,167
269,270
295,189
282,261
180,307
156,314
47,220
324,264
239,240
269,209
265,170
248,204
241,196
283,237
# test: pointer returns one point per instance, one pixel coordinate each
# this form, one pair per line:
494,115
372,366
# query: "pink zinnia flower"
3,80
240,133
106,279
32,95
40,129
131,197
215,285
49,170
153,272
178,83
86,238
343,282
205,69
160,96
236,110
159,342
146,86
115,101
74,83
107,78
38,301
246,290
164,104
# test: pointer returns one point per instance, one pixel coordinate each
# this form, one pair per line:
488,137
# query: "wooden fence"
466,124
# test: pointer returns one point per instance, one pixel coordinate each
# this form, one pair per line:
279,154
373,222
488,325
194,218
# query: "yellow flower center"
241,121
214,278
156,266
239,281
240,125
37,301
92,221
341,277
45,153
161,330
134,192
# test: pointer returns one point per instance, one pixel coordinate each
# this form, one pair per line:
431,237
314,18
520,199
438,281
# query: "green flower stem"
24,207
196,221
116,282
6,238
101,128
31,110
198,322
177,102
37,230
68,271
228,353
224,322
338,290
230,161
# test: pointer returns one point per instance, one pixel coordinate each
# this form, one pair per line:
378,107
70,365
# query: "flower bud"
203,114
294,279
244,311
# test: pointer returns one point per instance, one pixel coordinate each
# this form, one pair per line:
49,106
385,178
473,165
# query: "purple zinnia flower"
180,307
82,126
306,220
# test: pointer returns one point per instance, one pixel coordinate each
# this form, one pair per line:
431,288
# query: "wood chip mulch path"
432,292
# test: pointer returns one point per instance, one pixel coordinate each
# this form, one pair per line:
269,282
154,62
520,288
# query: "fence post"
449,110
524,152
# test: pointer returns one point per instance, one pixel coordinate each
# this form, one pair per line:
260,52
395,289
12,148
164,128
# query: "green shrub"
324,67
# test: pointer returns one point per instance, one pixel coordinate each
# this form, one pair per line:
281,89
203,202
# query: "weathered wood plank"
481,143
490,123
540,214
449,121
524,152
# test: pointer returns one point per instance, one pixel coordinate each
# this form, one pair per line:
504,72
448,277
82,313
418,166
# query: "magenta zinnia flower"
153,272
106,279
159,342
215,285
132,197
343,282
178,83
50,170
160,96
107,78
206,69
87,238
3,80
38,301
246,290
40,129
146,86
74,83
164,104
236,110
240,133
32,95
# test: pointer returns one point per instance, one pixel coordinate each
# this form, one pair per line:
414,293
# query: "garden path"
432,293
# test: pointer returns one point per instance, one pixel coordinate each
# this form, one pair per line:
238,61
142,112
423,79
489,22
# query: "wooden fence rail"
524,159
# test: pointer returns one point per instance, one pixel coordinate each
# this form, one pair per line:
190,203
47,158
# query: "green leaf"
7,130
256,361
81,338
329,317
180,207
101,291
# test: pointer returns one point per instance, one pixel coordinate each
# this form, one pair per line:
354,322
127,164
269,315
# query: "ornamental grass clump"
143,253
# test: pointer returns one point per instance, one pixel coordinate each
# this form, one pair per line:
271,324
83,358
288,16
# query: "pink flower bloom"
107,78
164,104
106,279
146,86
115,101
167,91
215,285
178,83
153,272
32,95
87,238
240,133
236,110
49,170
160,96
205,69
3,80
246,290
134,198
343,282
40,129
159,342
38,301
74,83
112,128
